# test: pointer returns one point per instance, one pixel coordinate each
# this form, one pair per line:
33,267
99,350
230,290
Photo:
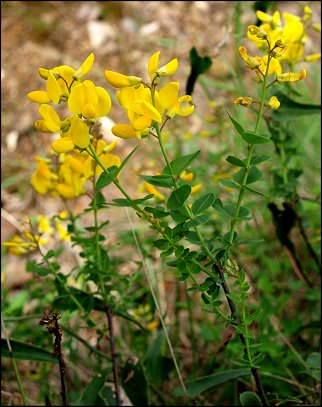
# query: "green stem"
192,333
248,160
107,307
224,285
249,356
15,367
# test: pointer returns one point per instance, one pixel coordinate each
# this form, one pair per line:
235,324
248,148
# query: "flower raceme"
145,105
60,81
292,33
73,130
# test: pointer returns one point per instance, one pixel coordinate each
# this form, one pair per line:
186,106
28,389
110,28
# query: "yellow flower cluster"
293,33
67,177
280,43
85,101
40,228
145,105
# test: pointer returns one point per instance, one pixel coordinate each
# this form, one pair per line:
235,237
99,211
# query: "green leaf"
179,215
257,159
25,351
203,203
252,138
134,383
237,126
181,163
249,398
314,360
107,178
156,365
199,65
197,221
235,161
178,197
32,266
92,390
127,158
254,175
161,244
228,184
126,203
192,237
198,386
162,180
249,241
220,208
157,212
254,191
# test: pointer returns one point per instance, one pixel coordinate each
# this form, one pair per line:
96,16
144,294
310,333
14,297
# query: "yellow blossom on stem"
166,70
152,190
169,101
119,80
273,103
252,62
85,67
43,179
23,244
106,158
77,135
62,231
89,100
291,76
60,81
313,57
44,225
243,101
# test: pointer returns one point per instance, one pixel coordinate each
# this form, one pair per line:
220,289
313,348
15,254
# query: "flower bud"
244,101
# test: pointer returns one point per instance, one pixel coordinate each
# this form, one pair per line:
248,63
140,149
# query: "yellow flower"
196,188
44,225
152,190
85,67
43,179
166,70
107,159
252,62
169,101
244,101
292,34
62,231
313,57
291,76
274,66
119,80
273,103
125,131
186,176
77,135
60,81
275,19
71,178
89,100
20,245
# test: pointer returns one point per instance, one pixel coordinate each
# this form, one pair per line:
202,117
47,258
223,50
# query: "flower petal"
125,131
39,96
62,145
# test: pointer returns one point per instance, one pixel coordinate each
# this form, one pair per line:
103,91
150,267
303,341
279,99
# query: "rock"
150,28
100,33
